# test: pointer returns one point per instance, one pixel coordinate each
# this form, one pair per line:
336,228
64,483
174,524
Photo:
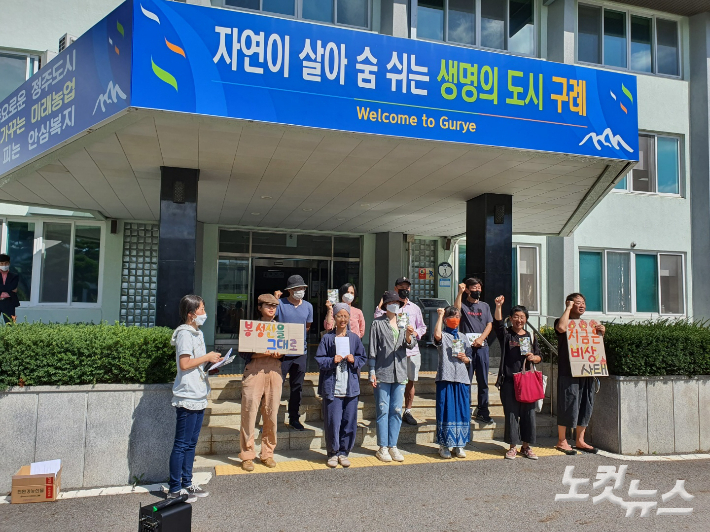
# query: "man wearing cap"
476,324
414,357
294,309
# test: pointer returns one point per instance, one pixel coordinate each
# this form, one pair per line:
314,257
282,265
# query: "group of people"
393,359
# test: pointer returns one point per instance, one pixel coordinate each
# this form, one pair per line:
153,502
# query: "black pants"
575,401
481,362
295,368
519,417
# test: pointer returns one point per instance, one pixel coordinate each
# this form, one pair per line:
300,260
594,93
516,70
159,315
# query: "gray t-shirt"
191,387
474,316
451,369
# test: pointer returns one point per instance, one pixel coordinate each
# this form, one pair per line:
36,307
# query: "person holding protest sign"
347,294
575,395
340,356
190,392
261,383
389,341
453,384
517,348
476,324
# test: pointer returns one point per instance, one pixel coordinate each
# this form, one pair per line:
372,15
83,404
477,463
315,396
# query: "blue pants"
389,398
481,363
340,414
187,431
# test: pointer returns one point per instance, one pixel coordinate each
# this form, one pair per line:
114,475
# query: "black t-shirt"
563,366
474,316
512,361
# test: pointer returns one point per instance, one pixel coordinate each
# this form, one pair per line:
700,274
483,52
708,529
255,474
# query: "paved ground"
492,494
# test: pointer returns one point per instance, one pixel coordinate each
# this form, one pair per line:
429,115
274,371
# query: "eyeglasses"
270,305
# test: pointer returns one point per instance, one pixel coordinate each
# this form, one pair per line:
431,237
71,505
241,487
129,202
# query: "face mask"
200,319
476,294
4,268
298,294
348,298
393,308
403,293
452,323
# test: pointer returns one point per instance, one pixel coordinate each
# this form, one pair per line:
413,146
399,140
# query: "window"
501,25
658,169
346,12
15,69
67,265
525,277
626,40
632,282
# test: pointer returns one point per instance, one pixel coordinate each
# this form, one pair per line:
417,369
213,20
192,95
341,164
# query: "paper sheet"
50,467
226,360
342,346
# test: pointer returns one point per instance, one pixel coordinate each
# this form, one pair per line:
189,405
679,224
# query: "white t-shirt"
191,387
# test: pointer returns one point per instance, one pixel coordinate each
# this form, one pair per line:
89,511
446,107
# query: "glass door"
232,297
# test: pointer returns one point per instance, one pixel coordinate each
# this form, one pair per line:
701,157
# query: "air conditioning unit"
65,41
46,57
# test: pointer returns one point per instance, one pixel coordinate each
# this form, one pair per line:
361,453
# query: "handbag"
528,385
538,403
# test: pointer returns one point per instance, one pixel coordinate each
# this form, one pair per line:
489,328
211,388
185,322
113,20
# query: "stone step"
228,413
222,440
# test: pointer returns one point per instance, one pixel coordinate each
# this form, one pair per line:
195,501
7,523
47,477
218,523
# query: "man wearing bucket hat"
414,357
295,309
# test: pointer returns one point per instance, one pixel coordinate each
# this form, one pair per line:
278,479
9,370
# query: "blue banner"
251,66
85,84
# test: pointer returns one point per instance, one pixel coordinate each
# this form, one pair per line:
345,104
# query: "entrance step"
225,439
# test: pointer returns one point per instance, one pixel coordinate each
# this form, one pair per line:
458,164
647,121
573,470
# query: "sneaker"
510,455
408,418
196,490
332,461
396,455
344,460
484,419
247,465
383,454
295,424
444,452
269,462
459,452
175,494
527,452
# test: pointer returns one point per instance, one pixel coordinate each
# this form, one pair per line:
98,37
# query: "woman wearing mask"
388,374
261,383
190,393
519,417
347,294
453,384
340,356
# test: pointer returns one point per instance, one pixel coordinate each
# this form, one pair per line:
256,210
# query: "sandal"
569,452
512,452
527,452
590,450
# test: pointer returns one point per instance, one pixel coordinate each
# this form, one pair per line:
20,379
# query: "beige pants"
262,378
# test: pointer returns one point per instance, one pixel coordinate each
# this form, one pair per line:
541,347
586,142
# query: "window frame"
299,14
654,48
37,258
32,64
680,167
632,281
538,277
536,25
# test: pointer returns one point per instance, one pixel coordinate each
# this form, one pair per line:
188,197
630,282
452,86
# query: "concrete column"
700,162
394,18
489,245
560,272
561,17
177,246
389,257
